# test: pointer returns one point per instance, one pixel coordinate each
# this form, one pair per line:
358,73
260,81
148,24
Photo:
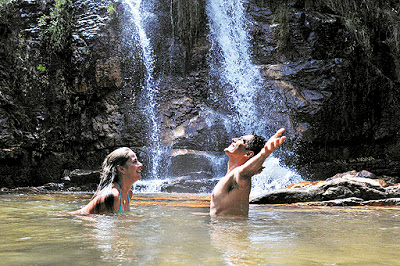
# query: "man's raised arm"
254,164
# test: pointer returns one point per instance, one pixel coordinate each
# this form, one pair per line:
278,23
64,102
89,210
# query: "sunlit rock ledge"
345,189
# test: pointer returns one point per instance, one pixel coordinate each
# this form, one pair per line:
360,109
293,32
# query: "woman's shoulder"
115,191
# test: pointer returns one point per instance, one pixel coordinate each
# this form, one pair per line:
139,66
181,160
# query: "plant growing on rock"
111,10
369,22
284,39
57,26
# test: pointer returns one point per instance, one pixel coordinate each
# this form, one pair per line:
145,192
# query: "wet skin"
231,194
128,174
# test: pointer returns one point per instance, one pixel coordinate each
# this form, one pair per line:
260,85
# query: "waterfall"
149,106
240,78
239,88
241,82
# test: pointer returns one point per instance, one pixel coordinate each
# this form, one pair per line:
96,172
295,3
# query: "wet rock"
343,189
68,109
52,187
382,202
87,179
393,191
188,185
27,190
353,201
190,163
205,131
391,180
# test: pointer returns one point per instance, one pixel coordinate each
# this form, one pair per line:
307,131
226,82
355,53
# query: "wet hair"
109,175
255,144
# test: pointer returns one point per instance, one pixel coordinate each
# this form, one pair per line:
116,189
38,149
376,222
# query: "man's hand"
274,141
254,164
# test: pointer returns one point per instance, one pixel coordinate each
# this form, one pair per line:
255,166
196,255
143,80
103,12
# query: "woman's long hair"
109,175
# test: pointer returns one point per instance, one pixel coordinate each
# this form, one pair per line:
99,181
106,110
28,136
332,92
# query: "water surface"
174,229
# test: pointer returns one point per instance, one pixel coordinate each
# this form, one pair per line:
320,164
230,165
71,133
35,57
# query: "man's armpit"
232,185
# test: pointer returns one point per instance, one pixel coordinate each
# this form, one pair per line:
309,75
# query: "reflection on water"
175,229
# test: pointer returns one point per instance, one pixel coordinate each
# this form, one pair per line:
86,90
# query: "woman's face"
132,168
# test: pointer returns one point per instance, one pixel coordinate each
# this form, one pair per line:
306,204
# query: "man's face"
238,145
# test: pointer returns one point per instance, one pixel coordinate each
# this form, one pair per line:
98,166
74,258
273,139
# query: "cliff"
71,82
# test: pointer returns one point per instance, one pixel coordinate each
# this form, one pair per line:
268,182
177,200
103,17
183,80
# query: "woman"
121,169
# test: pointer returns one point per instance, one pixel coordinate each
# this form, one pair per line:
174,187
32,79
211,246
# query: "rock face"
71,84
335,105
64,104
351,188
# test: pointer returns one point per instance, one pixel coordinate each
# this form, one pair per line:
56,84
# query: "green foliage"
368,93
367,21
26,77
111,10
41,68
57,26
372,25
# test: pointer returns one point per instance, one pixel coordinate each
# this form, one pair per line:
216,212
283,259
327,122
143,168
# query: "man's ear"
250,154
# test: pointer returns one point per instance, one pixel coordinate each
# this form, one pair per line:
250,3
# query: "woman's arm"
101,204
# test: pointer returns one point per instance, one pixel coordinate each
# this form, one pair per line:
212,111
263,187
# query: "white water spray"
233,65
231,48
149,89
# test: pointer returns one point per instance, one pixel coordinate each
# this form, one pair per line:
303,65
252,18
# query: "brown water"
174,229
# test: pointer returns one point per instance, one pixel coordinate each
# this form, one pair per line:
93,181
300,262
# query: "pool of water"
175,229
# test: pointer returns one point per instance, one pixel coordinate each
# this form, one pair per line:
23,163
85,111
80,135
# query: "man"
246,157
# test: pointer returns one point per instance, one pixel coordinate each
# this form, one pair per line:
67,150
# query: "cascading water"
231,66
241,81
232,62
149,88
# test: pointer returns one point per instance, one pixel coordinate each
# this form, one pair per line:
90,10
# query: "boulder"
188,185
85,179
350,188
190,163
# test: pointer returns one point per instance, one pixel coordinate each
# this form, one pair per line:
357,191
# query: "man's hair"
256,144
